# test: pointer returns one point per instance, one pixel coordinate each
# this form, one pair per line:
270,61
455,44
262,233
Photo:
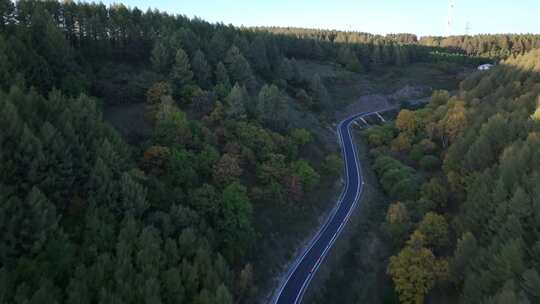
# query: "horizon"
420,17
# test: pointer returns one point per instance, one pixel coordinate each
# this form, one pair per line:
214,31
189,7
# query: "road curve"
299,276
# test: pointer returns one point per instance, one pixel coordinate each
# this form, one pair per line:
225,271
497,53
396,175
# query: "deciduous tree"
406,121
435,230
227,169
332,165
308,176
415,271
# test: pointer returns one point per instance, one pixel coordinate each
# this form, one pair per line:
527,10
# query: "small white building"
485,67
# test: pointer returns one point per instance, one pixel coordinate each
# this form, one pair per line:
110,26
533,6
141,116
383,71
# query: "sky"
421,17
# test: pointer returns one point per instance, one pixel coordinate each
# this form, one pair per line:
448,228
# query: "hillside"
218,146
147,157
463,177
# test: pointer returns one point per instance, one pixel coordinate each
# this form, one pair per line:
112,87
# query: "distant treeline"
497,46
48,40
491,46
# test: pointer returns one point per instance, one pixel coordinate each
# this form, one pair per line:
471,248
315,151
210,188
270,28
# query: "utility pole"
450,22
467,28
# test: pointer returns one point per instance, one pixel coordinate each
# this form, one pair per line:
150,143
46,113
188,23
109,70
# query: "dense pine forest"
89,214
492,46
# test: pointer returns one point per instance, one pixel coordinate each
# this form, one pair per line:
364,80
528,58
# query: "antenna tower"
450,23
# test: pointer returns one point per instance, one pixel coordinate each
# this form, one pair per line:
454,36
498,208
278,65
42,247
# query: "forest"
500,46
88,215
463,175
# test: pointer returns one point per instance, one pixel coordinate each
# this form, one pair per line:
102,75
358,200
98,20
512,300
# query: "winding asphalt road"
302,271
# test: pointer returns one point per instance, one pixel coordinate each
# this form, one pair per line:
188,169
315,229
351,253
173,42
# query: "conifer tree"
133,196
181,74
348,58
218,47
296,75
201,69
223,83
319,93
531,284
238,102
223,295
30,158
78,290
272,106
239,68
160,57
259,57
36,221
5,64
465,252
174,291
285,70
376,54
235,222
398,55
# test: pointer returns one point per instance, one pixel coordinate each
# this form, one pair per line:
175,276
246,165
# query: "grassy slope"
346,87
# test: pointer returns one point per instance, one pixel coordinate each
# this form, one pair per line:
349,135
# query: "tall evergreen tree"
133,196
398,55
222,76
319,93
285,70
201,69
239,68
376,54
181,74
160,57
33,224
272,106
5,63
218,47
531,284
238,101
223,83
259,57
235,222
348,58
223,295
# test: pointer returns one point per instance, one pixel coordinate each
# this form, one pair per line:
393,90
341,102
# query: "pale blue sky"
422,17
